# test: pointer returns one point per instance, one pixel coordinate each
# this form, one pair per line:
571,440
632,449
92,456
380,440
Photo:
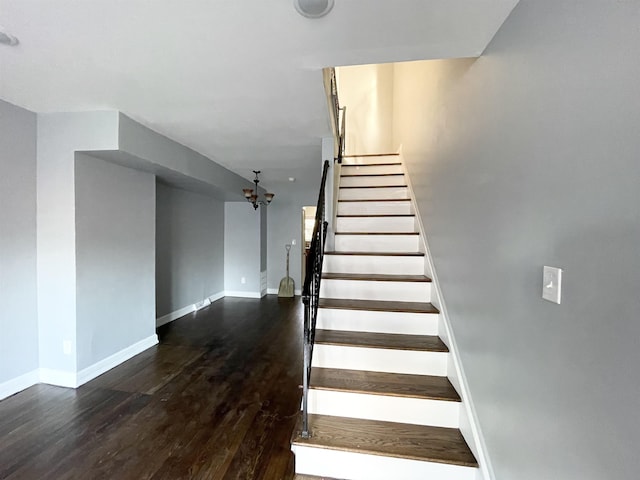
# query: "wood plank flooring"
217,399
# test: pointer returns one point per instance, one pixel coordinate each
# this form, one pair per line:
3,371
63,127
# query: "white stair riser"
380,360
323,462
378,193
360,181
407,265
375,208
381,322
369,160
377,243
376,224
418,411
373,290
370,169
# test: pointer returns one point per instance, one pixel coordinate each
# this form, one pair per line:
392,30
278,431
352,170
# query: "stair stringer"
468,425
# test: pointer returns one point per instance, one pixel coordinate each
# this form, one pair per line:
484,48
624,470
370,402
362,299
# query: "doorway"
308,223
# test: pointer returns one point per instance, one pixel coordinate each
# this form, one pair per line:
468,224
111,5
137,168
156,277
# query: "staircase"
380,403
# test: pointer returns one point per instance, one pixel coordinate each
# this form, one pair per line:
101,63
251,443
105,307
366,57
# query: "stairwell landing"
381,405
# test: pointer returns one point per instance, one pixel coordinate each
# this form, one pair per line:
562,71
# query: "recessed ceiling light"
292,179
7,39
313,8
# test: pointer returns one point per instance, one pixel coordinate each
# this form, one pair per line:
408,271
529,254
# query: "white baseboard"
74,380
18,384
232,293
274,291
216,296
181,312
98,368
60,378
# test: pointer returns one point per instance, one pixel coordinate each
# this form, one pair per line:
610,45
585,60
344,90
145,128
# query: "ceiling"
238,81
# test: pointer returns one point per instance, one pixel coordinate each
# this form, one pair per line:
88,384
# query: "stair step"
348,242
377,233
360,207
376,286
372,169
347,175
371,262
376,277
390,341
373,192
396,154
381,383
364,181
300,476
377,305
378,316
389,439
377,254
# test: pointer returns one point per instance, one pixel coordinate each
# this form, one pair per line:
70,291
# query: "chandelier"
252,198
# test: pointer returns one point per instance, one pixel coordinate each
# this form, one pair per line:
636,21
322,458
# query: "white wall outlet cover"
293,242
552,284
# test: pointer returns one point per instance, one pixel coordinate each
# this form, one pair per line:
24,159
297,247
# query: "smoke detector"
7,38
313,8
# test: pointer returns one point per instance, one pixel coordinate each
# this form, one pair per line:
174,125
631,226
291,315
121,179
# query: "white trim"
476,442
274,291
181,312
17,384
216,296
106,364
170,317
234,293
59,378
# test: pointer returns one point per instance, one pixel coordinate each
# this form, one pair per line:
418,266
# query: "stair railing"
311,295
339,115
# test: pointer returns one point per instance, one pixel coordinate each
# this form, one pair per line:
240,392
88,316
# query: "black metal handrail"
311,294
339,116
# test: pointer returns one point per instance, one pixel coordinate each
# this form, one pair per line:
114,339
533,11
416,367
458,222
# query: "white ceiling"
238,81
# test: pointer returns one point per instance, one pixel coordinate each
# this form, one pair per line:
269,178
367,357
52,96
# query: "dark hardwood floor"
217,399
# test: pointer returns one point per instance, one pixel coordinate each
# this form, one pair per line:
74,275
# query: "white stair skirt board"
375,208
381,180
377,243
376,290
370,169
419,411
378,322
377,159
380,360
376,193
376,224
361,466
394,265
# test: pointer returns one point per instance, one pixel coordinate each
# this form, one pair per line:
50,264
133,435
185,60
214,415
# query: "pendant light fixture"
252,197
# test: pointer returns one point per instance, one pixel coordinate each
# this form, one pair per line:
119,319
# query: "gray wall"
241,248
189,248
285,224
527,157
115,258
18,296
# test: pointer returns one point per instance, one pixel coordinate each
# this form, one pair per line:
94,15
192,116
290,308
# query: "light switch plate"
552,284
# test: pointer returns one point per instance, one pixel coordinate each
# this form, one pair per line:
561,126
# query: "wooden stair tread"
385,164
378,200
371,175
379,254
377,305
376,277
372,155
377,233
376,186
399,440
380,383
382,215
392,341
